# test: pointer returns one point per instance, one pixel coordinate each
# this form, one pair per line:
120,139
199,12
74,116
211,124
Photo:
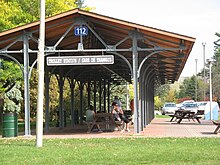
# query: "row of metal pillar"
100,88
143,90
146,102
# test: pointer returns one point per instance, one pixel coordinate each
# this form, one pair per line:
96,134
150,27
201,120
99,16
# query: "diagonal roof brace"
19,38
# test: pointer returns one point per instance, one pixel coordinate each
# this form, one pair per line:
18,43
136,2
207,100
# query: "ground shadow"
208,133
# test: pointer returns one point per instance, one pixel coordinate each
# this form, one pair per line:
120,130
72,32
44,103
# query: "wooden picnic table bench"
185,114
100,119
218,126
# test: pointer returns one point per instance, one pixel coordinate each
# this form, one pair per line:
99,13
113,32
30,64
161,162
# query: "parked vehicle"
201,105
190,107
169,108
182,104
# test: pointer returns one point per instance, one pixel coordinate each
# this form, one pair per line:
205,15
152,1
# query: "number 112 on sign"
81,30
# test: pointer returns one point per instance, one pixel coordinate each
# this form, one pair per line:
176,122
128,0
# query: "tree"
157,102
10,74
216,69
12,99
171,96
162,95
162,91
15,13
11,15
187,89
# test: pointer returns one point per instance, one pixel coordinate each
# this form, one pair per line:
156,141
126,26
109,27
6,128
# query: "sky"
199,19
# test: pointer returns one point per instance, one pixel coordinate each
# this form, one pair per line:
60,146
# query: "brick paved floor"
159,127
164,128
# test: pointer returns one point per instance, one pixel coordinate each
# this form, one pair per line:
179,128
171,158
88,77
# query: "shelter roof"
171,49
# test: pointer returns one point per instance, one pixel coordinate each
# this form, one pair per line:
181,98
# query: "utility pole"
40,67
204,78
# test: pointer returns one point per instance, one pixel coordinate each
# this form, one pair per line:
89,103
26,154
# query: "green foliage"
171,96
14,13
10,77
54,97
162,116
162,90
120,91
10,73
163,94
217,42
54,7
11,15
188,89
12,99
200,89
131,91
157,102
216,70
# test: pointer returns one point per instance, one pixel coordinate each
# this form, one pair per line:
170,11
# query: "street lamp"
196,83
204,79
210,62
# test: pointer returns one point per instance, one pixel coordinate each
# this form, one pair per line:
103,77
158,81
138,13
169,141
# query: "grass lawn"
123,151
162,116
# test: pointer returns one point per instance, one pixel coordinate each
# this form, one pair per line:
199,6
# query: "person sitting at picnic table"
90,115
117,100
118,115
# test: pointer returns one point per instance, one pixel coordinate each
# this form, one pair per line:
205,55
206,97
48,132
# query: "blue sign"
81,30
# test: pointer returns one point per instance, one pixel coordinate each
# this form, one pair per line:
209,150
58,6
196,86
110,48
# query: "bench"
218,126
93,124
199,115
186,114
100,119
179,114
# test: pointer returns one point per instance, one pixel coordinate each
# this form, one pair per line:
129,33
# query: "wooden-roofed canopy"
144,56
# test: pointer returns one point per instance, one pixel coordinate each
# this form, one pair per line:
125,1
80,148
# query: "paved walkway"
165,128
159,127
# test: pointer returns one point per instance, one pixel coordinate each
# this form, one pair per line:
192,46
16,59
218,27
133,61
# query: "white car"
169,108
182,104
201,105
191,107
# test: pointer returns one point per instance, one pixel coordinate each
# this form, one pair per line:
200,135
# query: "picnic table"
217,123
101,119
185,114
